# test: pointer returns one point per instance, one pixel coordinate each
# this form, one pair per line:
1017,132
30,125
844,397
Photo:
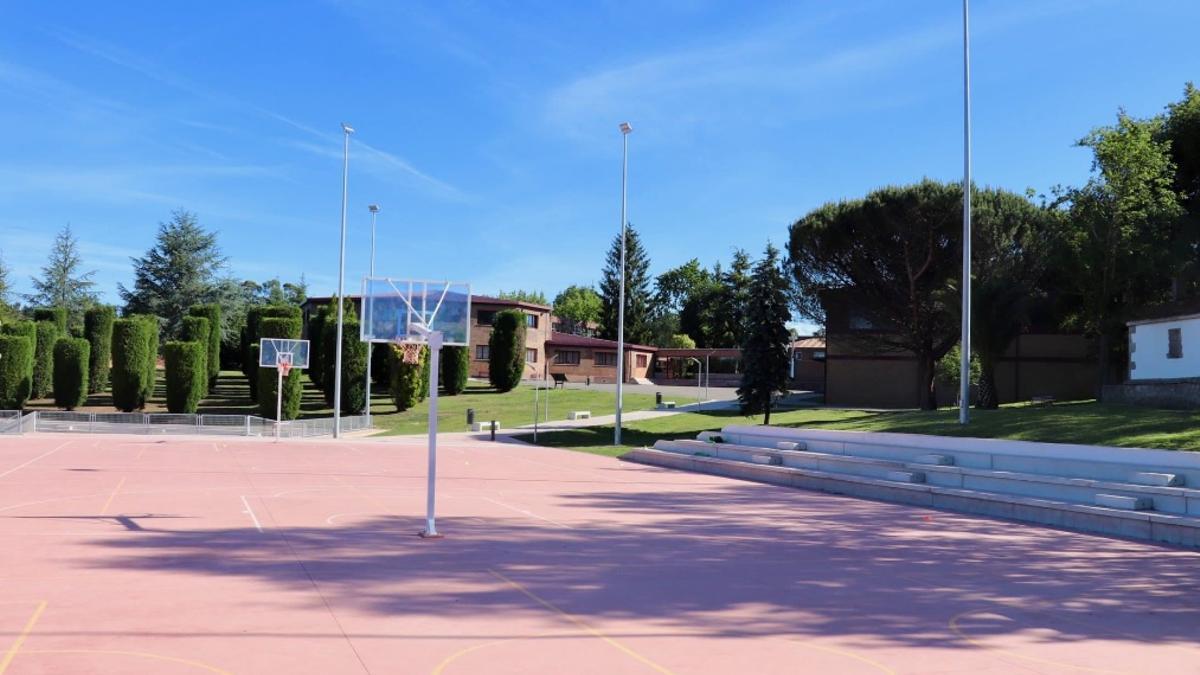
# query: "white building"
1165,348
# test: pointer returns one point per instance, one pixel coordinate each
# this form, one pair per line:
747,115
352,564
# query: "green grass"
1085,422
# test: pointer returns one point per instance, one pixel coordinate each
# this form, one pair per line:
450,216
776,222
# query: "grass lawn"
1083,422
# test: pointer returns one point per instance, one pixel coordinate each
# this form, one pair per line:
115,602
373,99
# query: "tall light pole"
625,129
337,361
374,209
964,371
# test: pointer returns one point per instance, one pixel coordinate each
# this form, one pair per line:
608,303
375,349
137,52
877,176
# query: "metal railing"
12,422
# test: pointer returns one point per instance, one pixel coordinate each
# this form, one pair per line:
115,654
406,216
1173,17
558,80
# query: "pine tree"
63,283
732,302
178,272
765,345
638,298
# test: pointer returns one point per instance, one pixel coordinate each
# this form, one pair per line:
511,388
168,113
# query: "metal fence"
171,423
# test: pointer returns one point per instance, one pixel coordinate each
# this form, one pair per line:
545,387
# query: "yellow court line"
104,509
16,646
848,654
1017,655
581,623
144,655
441,667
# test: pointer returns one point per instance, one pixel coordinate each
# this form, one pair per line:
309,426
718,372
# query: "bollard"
493,430
589,380
470,416
658,398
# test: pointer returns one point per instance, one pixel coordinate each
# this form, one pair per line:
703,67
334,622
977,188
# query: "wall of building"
1148,350
535,339
870,382
1055,365
587,368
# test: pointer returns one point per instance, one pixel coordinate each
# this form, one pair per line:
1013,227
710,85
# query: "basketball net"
410,352
284,364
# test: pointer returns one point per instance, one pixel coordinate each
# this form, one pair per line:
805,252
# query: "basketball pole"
341,300
374,209
964,370
434,339
278,400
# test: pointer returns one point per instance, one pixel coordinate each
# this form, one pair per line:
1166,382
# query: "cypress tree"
506,350
765,346
97,328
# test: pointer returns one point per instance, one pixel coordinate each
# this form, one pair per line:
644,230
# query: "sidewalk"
631,416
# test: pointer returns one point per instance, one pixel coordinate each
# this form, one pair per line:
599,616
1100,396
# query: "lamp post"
337,361
964,371
625,129
374,209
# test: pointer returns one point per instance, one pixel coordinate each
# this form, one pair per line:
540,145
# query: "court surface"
153,555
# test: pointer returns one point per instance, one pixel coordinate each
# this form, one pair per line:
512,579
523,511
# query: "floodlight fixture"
373,208
626,127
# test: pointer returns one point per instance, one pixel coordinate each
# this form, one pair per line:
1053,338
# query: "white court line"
251,512
46,454
523,511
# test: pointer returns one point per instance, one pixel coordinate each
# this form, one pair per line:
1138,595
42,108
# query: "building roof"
1183,309
813,342
568,340
699,352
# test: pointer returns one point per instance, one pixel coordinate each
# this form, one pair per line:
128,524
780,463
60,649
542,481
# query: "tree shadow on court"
730,560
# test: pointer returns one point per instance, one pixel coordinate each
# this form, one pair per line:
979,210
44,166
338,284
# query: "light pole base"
426,534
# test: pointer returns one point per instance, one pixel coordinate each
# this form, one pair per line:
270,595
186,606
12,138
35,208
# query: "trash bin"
470,416
658,398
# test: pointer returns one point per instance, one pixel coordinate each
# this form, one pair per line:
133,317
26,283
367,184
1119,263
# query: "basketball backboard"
272,352
402,310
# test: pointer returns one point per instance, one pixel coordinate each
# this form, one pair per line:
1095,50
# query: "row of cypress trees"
39,359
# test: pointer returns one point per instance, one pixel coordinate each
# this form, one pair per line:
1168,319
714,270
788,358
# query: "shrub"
426,364
380,364
130,346
151,363
506,350
268,378
27,329
455,366
212,312
187,374
354,365
195,329
252,334
43,359
71,372
97,328
55,315
405,385
16,370
316,333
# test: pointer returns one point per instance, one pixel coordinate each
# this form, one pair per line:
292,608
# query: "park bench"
579,415
560,379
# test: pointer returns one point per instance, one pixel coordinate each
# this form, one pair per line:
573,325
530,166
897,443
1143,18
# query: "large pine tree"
63,283
766,337
178,272
638,297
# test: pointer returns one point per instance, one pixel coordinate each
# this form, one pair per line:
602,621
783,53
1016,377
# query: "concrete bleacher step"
906,476
935,460
1155,479
1125,502
800,459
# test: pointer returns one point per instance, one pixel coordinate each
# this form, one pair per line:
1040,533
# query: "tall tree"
1181,129
732,302
63,282
896,251
637,290
766,337
1124,223
506,350
577,307
673,288
532,297
178,272
699,315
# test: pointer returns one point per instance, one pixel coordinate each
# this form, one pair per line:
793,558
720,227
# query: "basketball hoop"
284,364
410,352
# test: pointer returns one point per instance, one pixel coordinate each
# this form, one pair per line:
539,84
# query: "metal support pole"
435,347
964,373
625,129
370,345
337,359
278,401
536,410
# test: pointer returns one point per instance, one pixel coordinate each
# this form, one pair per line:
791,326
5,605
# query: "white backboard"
271,351
405,309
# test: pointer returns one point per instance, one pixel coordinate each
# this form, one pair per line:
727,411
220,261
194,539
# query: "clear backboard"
405,309
273,352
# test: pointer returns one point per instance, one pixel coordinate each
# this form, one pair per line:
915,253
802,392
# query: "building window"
531,320
641,360
1174,343
798,355
819,355
530,356
566,358
481,353
485,317
606,359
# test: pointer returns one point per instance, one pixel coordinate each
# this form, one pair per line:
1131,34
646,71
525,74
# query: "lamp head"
626,127
373,208
347,129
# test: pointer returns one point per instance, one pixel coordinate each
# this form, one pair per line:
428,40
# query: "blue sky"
488,131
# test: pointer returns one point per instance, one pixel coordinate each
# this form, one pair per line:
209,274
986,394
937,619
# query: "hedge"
354,365
251,336
71,372
151,364
380,368
97,328
506,350
405,386
55,315
212,312
455,363
268,378
187,374
16,370
43,359
195,329
130,347
316,332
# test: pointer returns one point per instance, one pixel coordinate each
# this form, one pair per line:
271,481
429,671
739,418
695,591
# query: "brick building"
587,359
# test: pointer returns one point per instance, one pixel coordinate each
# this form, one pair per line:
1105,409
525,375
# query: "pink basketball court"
165,555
